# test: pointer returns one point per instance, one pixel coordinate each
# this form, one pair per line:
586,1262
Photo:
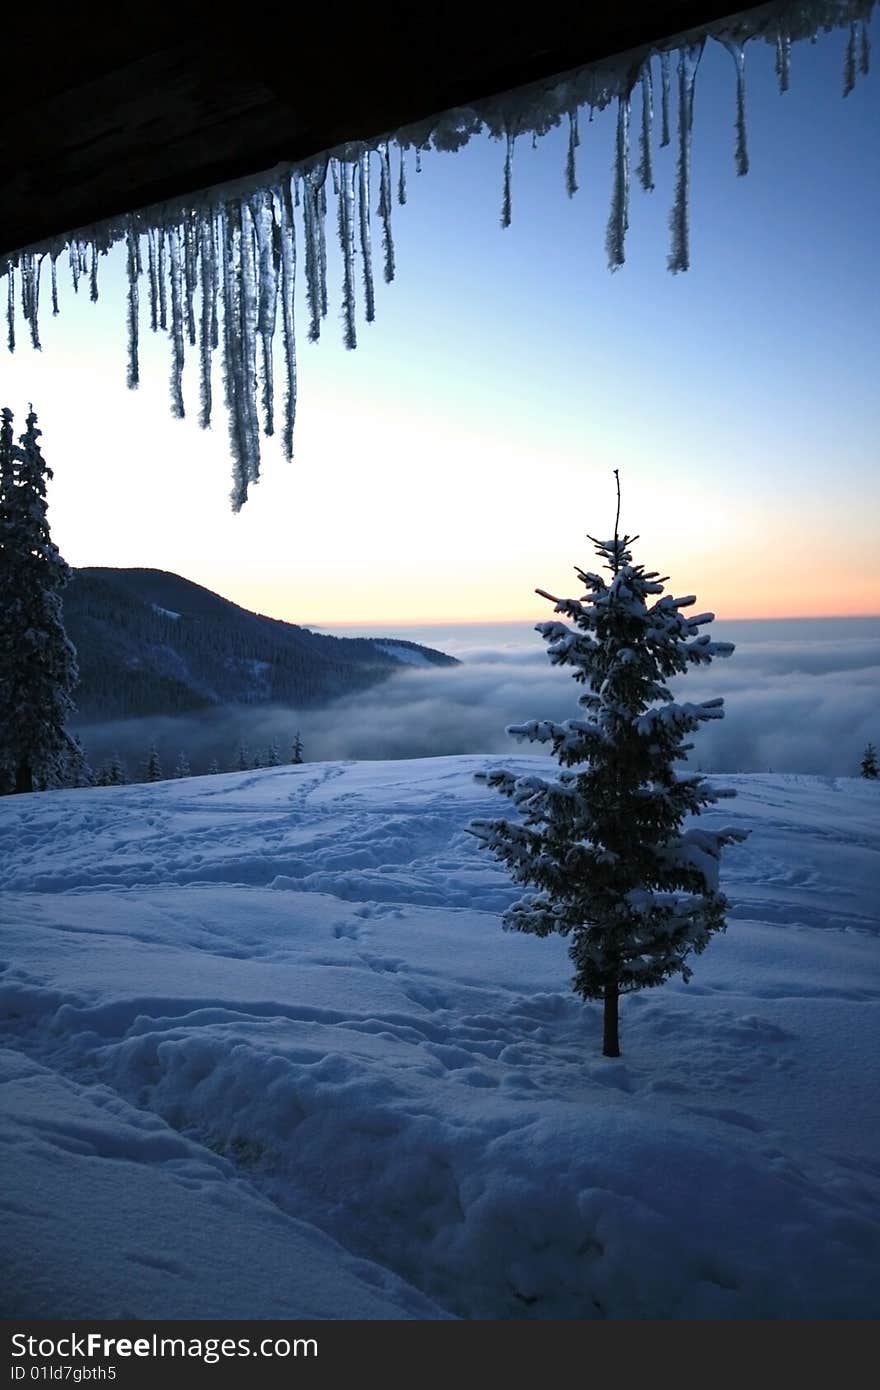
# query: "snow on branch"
235,246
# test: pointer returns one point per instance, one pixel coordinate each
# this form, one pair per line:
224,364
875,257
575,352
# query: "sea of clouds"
800,696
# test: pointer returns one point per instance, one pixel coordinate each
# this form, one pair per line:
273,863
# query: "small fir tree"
38,669
181,767
214,768
869,766
154,766
272,756
605,846
116,773
296,751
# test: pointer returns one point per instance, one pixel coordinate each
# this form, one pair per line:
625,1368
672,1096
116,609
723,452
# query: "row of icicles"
241,252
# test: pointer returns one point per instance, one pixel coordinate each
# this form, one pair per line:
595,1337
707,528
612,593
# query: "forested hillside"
150,643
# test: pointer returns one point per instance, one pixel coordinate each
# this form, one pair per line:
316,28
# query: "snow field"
269,1054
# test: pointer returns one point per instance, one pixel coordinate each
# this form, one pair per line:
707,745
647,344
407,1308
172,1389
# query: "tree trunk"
610,1040
24,778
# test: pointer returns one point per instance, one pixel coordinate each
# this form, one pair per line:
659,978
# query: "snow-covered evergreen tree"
77,772
116,773
869,766
213,768
296,751
38,668
154,766
606,847
181,767
272,756
243,761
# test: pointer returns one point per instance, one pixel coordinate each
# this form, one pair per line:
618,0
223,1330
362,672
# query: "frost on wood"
220,266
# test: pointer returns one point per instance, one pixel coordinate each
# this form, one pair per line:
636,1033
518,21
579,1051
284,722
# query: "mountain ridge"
151,642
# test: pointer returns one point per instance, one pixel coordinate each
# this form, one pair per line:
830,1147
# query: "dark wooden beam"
101,117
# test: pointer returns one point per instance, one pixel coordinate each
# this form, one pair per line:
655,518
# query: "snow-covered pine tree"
868,767
606,846
116,773
214,768
181,768
154,766
273,755
77,772
296,751
38,669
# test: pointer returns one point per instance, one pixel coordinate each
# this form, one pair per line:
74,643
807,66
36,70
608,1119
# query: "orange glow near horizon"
274,602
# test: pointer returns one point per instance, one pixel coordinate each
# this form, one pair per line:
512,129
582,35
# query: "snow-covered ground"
267,1053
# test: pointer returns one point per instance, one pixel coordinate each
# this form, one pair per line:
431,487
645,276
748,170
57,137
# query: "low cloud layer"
799,698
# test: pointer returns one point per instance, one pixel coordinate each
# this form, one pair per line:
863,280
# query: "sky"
457,459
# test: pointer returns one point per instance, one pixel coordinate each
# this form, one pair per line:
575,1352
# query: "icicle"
322,247
573,142
865,51
618,219
385,211
93,274
73,259
54,258
10,308
35,304
334,171
366,243
133,376
506,208
345,217
206,320
264,224
644,168
173,235
216,254
783,61
190,275
153,276
315,260
664,99
24,266
679,221
163,298
295,192
849,66
738,54
248,347
30,295
534,139
311,248
230,231
418,160
401,176
288,288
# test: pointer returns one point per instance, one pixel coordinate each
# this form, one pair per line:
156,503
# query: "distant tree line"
113,771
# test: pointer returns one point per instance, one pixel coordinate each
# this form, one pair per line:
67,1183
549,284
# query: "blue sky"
458,457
